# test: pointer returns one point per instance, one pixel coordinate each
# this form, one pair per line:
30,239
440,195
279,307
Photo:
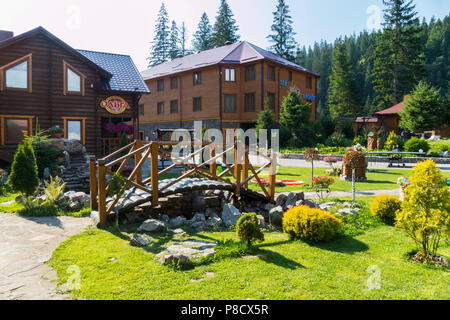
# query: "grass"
279,269
437,145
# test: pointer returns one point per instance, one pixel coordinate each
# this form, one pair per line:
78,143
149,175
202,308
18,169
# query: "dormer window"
16,75
73,80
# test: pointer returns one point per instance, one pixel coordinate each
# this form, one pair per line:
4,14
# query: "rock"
213,202
446,154
139,241
281,199
276,216
178,221
308,203
198,217
198,226
214,222
177,231
165,218
210,212
184,253
261,221
347,211
176,259
327,206
152,225
230,215
95,217
268,206
75,206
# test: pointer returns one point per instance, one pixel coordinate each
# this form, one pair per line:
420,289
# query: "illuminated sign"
284,83
115,105
309,97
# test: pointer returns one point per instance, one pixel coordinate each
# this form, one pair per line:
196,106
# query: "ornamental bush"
24,171
415,145
248,230
425,213
311,224
385,207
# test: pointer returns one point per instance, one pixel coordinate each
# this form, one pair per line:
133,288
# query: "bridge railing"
141,151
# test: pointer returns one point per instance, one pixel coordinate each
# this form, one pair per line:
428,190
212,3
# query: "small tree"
424,216
265,120
293,111
312,155
248,230
24,172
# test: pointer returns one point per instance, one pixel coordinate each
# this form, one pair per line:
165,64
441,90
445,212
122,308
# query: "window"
250,102
17,74
174,83
271,73
73,80
16,129
250,73
271,100
160,85
309,82
174,106
230,75
74,130
160,108
197,104
141,109
230,103
197,78
290,76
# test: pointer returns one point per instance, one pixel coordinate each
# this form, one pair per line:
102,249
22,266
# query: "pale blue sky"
127,26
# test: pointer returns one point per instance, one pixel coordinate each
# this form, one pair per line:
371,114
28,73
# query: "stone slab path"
26,244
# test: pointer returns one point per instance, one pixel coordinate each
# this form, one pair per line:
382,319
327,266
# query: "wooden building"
225,87
43,80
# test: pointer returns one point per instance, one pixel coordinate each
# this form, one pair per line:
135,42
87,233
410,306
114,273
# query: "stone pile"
70,200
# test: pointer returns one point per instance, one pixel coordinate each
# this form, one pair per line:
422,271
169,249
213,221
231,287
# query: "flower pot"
57,135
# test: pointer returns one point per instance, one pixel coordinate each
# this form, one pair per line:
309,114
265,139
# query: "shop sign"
309,97
115,105
284,83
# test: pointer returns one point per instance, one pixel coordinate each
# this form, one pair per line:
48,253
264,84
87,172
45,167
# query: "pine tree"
344,98
424,110
160,45
203,37
399,59
24,171
293,112
282,38
183,40
265,120
225,28
174,41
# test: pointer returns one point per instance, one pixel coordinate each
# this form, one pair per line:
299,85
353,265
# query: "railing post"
154,174
93,182
245,168
102,192
272,177
137,159
237,170
213,165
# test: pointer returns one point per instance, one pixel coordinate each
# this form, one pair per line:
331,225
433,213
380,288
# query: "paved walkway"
341,194
26,244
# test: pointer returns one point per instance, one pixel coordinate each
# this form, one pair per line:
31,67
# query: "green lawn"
378,179
280,269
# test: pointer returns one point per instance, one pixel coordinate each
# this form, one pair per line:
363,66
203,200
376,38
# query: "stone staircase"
76,175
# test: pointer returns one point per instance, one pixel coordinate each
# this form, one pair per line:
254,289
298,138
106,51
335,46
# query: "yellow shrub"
385,207
311,224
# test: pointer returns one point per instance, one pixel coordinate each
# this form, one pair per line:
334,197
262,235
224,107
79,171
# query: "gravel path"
26,244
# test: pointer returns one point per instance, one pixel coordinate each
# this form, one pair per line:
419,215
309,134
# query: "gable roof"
119,70
236,53
125,75
398,108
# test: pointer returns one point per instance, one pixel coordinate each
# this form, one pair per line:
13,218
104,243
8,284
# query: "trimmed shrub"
337,140
248,230
24,172
415,145
385,207
311,224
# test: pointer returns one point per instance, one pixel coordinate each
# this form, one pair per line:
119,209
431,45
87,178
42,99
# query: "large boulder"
281,199
184,253
178,221
139,241
276,216
152,226
230,215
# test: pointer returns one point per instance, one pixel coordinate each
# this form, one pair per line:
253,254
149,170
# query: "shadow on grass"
343,244
278,259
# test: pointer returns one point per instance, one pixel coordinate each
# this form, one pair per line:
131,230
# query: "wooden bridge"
152,188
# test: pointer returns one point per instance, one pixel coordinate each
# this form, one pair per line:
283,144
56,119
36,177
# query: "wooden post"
272,177
93,182
137,159
102,192
237,170
245,169
213,165
154,174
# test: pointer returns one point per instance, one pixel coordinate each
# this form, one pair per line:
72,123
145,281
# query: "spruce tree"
160,45
283,34
398,55
24,171
424,110
225,28
293,112
203,36
174,41
344,99
183,39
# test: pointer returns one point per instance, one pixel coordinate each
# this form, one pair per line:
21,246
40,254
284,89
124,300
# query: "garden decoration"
117,188
354,166
312,155
403,182
321,186
331,161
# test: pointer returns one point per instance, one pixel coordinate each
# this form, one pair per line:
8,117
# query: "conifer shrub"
24,172
415,145
385,207
308,224
248,230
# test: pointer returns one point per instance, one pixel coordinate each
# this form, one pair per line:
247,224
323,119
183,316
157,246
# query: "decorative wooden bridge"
140,190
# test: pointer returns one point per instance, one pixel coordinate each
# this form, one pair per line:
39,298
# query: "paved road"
341,194
26,244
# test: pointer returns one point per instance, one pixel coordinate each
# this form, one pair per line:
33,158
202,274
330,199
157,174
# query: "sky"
127,27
